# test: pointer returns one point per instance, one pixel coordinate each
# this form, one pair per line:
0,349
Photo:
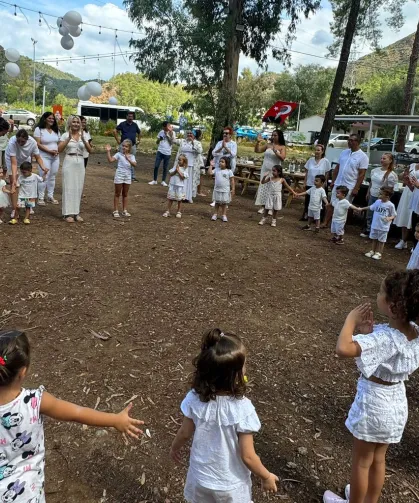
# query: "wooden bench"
245,181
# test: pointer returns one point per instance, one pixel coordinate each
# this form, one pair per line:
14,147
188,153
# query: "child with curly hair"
222,422
386,355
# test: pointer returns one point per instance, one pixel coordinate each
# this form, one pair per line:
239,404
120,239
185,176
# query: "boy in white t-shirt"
384,213
340,214
317,196
27,183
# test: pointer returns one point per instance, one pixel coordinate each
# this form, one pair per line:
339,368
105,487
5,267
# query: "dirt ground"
150,286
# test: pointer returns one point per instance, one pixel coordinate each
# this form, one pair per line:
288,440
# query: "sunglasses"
226,134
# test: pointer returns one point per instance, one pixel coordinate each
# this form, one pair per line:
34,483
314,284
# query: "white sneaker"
364,235
31,212
261,211
12,214
126,214
164,184
262,222
273,223
153,182
329,497
116,214
369,254
41,202
212,204
214,217
347,491
224,218
270,213
376,256
178,214
166,214
401,245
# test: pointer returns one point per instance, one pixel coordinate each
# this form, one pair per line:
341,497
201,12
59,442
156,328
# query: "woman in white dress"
317,165
47,137
275,153
404,213
192,149
74,145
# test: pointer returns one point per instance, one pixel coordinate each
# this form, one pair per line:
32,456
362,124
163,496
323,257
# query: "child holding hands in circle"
386,355
22,452
222,422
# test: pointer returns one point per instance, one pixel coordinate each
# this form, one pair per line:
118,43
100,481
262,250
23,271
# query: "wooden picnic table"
297,184
247,174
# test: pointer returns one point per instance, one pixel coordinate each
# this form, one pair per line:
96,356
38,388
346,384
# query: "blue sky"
313,36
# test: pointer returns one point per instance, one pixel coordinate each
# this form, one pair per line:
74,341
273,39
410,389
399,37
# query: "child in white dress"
414,258
4,195
123,176
224,187
222,422
386,355
177,191
22,453
274,195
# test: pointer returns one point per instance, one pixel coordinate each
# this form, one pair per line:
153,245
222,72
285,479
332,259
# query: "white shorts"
122,177
378,235
379,412
338,228
334,200
195,493
314,214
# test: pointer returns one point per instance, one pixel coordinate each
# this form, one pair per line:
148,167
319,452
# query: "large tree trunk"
227,93
408,91
340,73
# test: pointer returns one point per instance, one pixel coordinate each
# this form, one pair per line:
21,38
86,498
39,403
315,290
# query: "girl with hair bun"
22,451
222,422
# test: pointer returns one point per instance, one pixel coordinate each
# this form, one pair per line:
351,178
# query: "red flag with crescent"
280,111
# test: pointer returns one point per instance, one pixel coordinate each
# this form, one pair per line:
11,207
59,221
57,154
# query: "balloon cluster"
90,89
11,68
69,27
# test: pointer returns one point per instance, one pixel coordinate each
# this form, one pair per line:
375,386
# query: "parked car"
412,147
382,144
339,141
246,133
21,115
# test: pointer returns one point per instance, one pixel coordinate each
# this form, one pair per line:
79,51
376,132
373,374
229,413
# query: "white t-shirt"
222,179
49,140
22,153
123,165
28,186
232,146
176,180
381,211
215,461
377,182
313,169
350,163
316,197
340,213
87,137
166,142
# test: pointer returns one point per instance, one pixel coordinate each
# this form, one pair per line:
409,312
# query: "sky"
313,36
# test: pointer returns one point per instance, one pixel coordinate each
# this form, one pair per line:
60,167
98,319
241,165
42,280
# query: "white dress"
192,150
414,258
379,412
73,174
4,197
404,213
216,471
177,185
270,159
274,197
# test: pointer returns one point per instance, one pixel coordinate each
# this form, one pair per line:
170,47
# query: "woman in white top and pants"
317,165
47,137
74,144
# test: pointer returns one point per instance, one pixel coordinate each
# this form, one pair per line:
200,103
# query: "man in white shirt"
165,140
349,172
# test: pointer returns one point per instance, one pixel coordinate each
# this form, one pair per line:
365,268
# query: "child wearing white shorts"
340,214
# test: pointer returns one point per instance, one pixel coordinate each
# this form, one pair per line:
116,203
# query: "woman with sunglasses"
192,150
275,153
226,148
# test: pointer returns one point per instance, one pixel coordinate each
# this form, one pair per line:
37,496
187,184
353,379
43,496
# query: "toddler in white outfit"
340,213
317,197
177,189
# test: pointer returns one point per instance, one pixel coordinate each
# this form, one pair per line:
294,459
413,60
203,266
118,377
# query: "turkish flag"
280,111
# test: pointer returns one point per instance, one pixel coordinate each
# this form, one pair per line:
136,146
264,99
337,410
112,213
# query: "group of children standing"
218,417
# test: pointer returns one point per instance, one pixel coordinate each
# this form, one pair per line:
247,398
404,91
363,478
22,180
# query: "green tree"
351,102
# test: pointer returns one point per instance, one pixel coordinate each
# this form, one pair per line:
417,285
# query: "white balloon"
73,18
63,30
113,100
94,88
59,21
12,55
67,42
83,94
12,69
75,31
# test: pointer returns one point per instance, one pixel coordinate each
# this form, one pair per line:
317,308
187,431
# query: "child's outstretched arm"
233,186
253,462
288,187
184,434
361,319
67,411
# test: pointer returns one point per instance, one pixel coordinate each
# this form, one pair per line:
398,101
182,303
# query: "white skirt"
4,199
73,173
379,412
414,258
176,193
274,202
404,213
221,197
195,493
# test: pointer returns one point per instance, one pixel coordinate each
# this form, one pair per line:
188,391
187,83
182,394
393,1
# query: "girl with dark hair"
386,355
224,187
275,153
221,421
22,414
87,138
47,137
273,204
